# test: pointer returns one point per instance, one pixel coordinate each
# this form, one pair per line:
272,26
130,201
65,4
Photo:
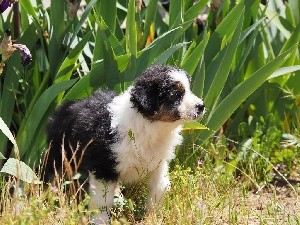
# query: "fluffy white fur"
146,152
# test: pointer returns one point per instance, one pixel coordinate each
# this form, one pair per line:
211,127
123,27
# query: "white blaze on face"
188,108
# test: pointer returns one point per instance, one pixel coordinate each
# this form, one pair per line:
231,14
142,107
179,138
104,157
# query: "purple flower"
7,48
25,53
5,4
200,162
54,189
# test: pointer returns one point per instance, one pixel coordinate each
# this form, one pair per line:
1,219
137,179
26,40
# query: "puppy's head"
162,93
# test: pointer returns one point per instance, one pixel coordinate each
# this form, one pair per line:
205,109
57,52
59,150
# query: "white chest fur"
143,145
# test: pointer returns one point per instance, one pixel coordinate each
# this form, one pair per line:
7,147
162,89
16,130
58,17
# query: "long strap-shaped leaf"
148,55
25,137
224,64
226,108
190,63
224,30
131,35
149,19
66,68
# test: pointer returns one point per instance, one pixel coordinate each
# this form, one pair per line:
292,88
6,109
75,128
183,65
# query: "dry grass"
210,198
197,197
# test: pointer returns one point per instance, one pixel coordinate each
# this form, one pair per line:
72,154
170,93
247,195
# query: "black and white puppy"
126,137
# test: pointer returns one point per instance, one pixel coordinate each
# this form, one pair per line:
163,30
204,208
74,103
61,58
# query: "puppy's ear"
145,97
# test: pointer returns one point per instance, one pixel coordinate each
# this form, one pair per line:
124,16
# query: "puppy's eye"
174,93
174,96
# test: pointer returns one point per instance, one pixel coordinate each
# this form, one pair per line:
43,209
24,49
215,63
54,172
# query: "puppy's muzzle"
200,109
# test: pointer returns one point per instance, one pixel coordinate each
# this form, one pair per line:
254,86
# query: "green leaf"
190,63
195,10
5,130
110,65
20,170
276,19
194,125
81,89
284,70
223,65
13,70
250,29
83,18
110,37
294,39
97,74
246,50
131,31
108,11
295,6
14,166
175,13
66,69
166,54
56,53
289,15
2,156
225,29
199,77
26,4
184,11
148,55
25,137
233,100
149,18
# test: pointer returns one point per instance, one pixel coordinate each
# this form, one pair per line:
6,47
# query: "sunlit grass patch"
197,196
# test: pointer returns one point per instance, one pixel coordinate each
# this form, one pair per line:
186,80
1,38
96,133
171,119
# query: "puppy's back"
82,127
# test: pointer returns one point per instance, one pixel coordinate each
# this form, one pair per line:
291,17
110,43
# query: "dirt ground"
279,206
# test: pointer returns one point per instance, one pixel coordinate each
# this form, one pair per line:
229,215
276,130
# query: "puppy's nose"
200,108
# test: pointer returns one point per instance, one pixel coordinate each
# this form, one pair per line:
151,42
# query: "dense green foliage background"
244,62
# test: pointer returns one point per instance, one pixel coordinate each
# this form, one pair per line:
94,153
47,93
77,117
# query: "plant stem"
16,20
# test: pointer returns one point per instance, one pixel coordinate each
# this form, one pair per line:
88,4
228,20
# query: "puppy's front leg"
159,183
102,198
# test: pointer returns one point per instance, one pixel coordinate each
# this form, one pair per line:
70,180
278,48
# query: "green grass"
205,194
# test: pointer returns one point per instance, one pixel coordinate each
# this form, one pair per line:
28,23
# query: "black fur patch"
156,96
84,123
